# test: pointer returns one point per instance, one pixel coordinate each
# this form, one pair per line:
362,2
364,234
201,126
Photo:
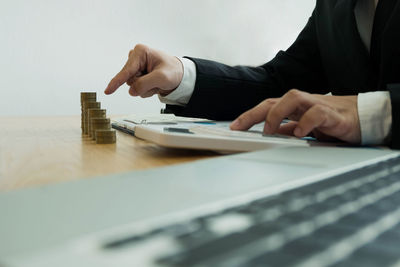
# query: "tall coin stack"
86,97
94,122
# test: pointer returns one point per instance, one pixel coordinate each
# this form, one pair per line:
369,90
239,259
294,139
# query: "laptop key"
290,254
387,243
275,258
193,253
367,257
331,233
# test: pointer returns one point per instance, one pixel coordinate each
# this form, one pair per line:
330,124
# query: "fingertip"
111,87
267,128
241,123
235,125
116,82
109,90
298,132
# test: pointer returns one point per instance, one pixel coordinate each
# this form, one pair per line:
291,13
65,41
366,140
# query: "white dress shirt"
374,108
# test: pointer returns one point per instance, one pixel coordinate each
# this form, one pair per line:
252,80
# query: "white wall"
51,50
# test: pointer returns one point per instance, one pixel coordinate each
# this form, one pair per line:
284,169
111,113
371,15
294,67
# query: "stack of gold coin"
93,119
94,113
86,97
106,136
99,124
86,107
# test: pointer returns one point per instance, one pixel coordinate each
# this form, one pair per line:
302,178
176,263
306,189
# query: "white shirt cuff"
375,114
181,95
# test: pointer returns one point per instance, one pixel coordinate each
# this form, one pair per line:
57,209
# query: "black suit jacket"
327,56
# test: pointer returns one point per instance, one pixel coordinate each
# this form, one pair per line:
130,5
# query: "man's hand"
148,72
325,116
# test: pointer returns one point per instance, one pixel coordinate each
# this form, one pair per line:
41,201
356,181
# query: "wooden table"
42,150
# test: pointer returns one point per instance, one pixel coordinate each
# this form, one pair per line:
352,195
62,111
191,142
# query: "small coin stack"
93,120
94,113
99,124
105,136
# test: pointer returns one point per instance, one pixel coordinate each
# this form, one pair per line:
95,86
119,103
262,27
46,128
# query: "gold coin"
105,133
100,120
87,95
106,141
90,104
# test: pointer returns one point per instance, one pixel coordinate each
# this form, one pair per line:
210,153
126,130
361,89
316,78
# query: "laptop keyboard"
349,220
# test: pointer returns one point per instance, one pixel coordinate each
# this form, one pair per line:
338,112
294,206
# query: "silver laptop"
286,206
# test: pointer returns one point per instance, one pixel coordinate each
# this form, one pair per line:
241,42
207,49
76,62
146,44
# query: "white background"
52,50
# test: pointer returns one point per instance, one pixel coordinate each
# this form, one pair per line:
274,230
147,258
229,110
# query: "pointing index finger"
253,116
122,77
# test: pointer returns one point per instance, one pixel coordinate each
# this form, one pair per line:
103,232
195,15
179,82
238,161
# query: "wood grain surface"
42,150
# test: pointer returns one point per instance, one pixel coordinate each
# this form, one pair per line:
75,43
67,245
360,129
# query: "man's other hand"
148,72
327,117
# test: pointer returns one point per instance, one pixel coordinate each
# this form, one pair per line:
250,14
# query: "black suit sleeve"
394,90
223,92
